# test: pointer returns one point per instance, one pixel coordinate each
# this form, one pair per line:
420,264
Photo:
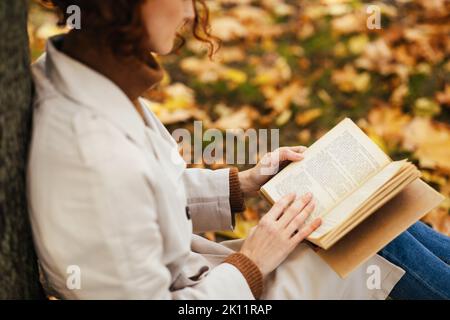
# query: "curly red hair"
121,22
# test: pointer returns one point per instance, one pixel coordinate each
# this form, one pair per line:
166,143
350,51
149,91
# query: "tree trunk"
19,277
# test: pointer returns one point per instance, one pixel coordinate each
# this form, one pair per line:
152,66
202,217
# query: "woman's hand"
251,180
280,231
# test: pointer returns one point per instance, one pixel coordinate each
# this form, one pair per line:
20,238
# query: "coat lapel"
90,88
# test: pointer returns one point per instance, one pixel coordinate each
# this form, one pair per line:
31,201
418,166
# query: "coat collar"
87,87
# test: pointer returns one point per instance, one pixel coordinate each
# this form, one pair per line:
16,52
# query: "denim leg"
427,276
434,241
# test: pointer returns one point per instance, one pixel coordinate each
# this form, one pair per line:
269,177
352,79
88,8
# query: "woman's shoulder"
66,129
79,121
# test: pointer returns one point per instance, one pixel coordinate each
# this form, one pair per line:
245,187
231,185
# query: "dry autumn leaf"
430,143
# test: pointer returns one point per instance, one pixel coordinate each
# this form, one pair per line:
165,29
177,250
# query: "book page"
383,196
374,233
341,212
334,166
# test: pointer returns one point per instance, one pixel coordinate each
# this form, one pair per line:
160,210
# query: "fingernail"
295,154
308,196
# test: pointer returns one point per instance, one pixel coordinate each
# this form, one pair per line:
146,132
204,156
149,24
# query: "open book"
352,180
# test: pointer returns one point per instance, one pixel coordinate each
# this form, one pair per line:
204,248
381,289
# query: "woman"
113,213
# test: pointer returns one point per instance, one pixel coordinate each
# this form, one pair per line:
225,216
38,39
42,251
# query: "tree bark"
19,276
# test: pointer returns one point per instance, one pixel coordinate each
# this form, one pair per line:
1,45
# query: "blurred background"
301,66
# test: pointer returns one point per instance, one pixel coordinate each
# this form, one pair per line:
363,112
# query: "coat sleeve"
117,239
208,198
224,282
208,191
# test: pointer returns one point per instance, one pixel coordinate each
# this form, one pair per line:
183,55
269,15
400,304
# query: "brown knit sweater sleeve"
249,270
236,196
247,267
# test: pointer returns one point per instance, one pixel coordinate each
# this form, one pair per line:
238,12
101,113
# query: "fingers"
298,221
299,149
269,164
272,162
288,153
296,209
291,153
306,231
278,208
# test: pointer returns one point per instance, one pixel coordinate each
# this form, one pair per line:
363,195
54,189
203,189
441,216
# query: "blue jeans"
425,255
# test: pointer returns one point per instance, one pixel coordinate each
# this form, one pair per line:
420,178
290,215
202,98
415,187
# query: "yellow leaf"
308,116
240,119
281,100
234,75
378,140
388,123
241,229
430,143
348,80
358,43
426,107
439,219
283,118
